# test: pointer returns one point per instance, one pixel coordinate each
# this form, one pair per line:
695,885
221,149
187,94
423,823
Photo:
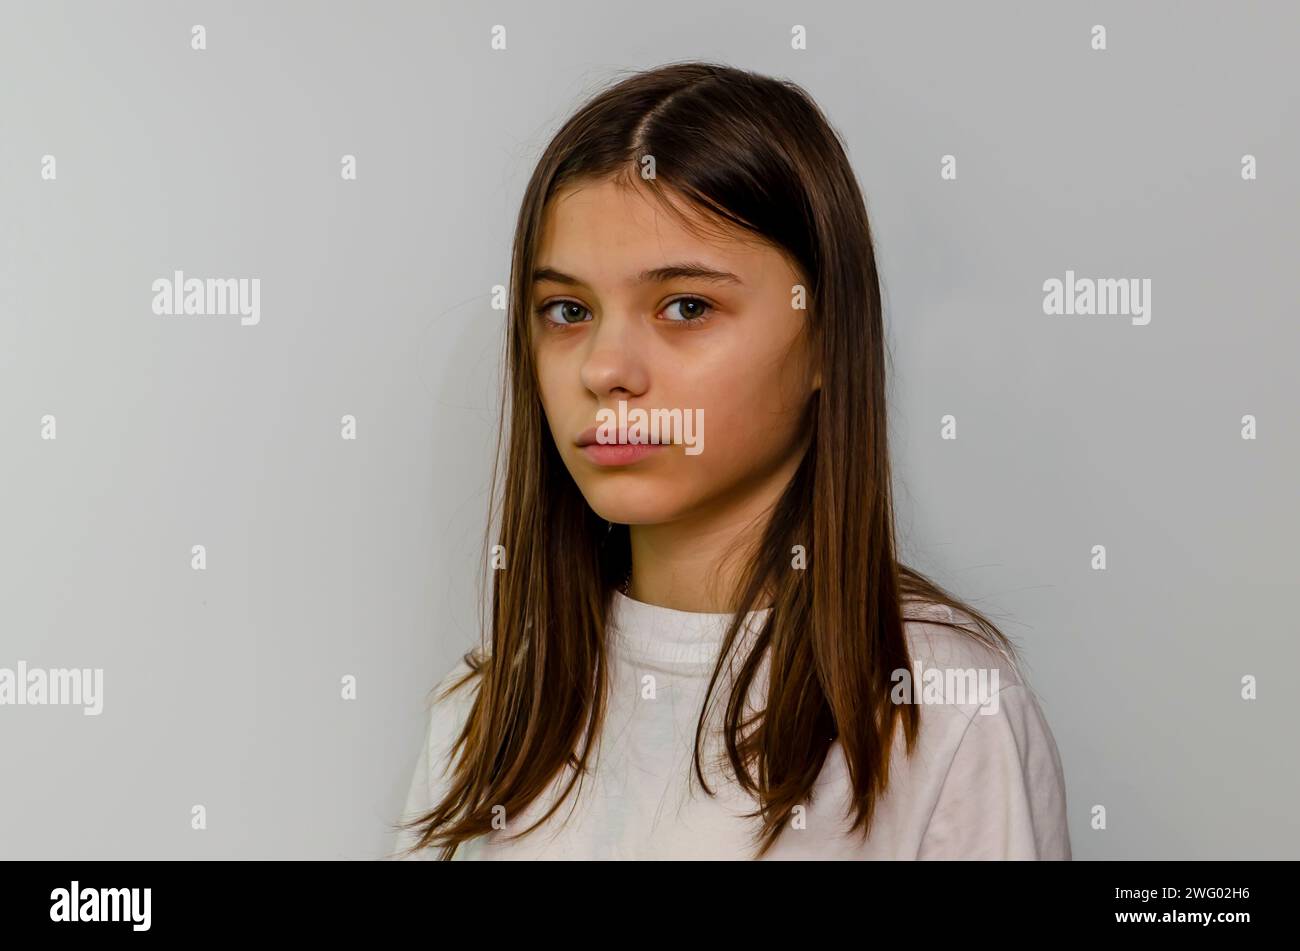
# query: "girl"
725,608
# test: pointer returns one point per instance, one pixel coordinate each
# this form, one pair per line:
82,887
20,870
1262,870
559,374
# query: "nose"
615,362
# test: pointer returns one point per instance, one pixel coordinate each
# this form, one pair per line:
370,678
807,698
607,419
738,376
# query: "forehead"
608,230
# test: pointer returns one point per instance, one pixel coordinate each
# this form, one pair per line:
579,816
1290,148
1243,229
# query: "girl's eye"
567,311
696,310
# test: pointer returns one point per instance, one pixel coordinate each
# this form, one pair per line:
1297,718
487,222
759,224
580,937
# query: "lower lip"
622,454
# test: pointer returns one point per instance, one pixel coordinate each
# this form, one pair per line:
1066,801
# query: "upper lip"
588,438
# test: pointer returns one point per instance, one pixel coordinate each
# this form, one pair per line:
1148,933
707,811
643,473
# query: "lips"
614,454
620,454
588,438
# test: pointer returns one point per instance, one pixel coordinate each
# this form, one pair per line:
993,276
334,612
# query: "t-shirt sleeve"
1004,793
429,778
418,801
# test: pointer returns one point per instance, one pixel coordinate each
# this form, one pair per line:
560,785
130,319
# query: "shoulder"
1002,793
935,642
996,786
448,705
455,683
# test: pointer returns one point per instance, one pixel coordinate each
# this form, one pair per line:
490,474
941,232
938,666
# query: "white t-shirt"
984,781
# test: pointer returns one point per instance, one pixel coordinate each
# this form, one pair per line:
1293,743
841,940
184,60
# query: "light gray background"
328,557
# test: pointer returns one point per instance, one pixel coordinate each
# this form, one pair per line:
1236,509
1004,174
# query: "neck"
694,563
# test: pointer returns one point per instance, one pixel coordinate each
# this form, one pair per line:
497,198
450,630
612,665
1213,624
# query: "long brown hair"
757,153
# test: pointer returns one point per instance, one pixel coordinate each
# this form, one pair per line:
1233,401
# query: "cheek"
750,414
552,381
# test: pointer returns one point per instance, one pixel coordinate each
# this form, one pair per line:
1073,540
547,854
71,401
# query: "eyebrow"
689,269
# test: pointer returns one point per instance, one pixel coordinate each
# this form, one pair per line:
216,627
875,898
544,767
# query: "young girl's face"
729,352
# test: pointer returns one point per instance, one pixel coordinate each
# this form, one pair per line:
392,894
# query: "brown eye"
569,312
691,309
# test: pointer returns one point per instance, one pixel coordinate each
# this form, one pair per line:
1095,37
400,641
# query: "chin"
630,504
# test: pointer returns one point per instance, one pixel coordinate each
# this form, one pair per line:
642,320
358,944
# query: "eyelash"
541,310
